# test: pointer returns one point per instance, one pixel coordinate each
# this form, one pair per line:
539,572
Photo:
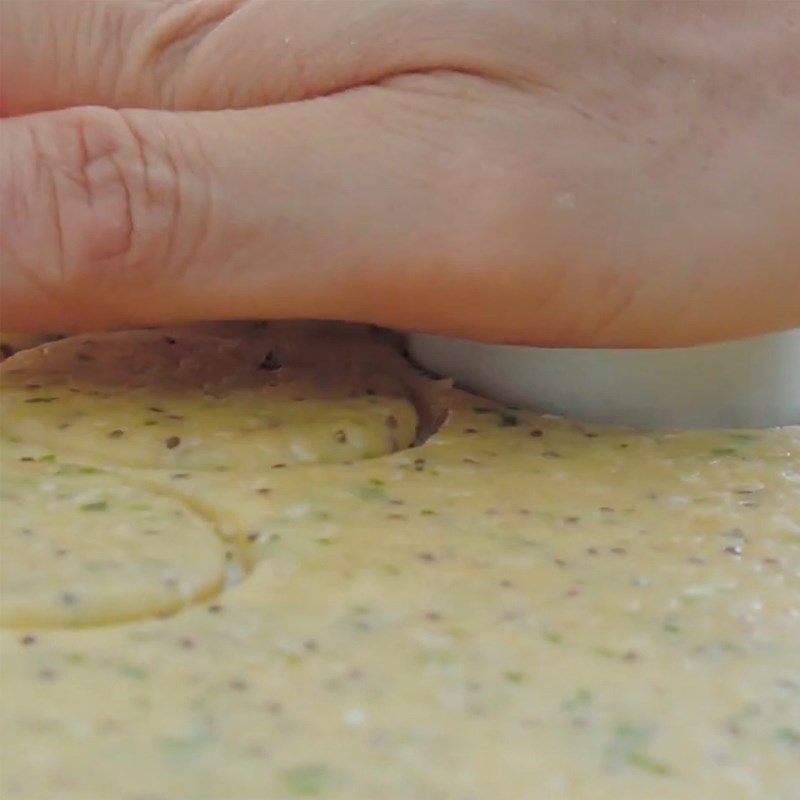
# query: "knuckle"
113,200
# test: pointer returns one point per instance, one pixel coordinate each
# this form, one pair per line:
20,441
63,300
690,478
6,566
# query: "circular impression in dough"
83,547
183,400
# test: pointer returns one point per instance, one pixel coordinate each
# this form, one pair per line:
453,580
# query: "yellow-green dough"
80,547
185,400
517,607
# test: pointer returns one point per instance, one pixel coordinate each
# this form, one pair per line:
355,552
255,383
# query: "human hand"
552,173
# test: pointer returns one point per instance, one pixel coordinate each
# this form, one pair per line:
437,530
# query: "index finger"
195,55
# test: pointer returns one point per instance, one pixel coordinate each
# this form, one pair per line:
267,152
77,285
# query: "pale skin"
551,173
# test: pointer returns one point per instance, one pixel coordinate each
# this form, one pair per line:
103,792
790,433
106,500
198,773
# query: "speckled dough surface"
188,400
80,547
518,608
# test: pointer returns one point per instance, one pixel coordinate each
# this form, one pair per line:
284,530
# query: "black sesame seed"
270,362
69,599
630,655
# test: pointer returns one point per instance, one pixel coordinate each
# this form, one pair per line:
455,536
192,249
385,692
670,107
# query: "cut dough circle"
83,547
186,400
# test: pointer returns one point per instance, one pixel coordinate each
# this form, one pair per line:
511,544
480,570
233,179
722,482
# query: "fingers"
137,217
59,53
86,207
217,54
412,205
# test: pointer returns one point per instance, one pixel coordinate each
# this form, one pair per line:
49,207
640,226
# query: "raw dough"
80,547
520,608
191,401
11,343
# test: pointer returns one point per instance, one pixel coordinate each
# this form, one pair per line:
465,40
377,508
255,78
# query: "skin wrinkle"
101,146
172,230
97,193
110,60
171,42
178,165
87,49
59,44
187,158
134,264
213,206
48,178
306,79
207,213
128,207
18,211
16,207
83,151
